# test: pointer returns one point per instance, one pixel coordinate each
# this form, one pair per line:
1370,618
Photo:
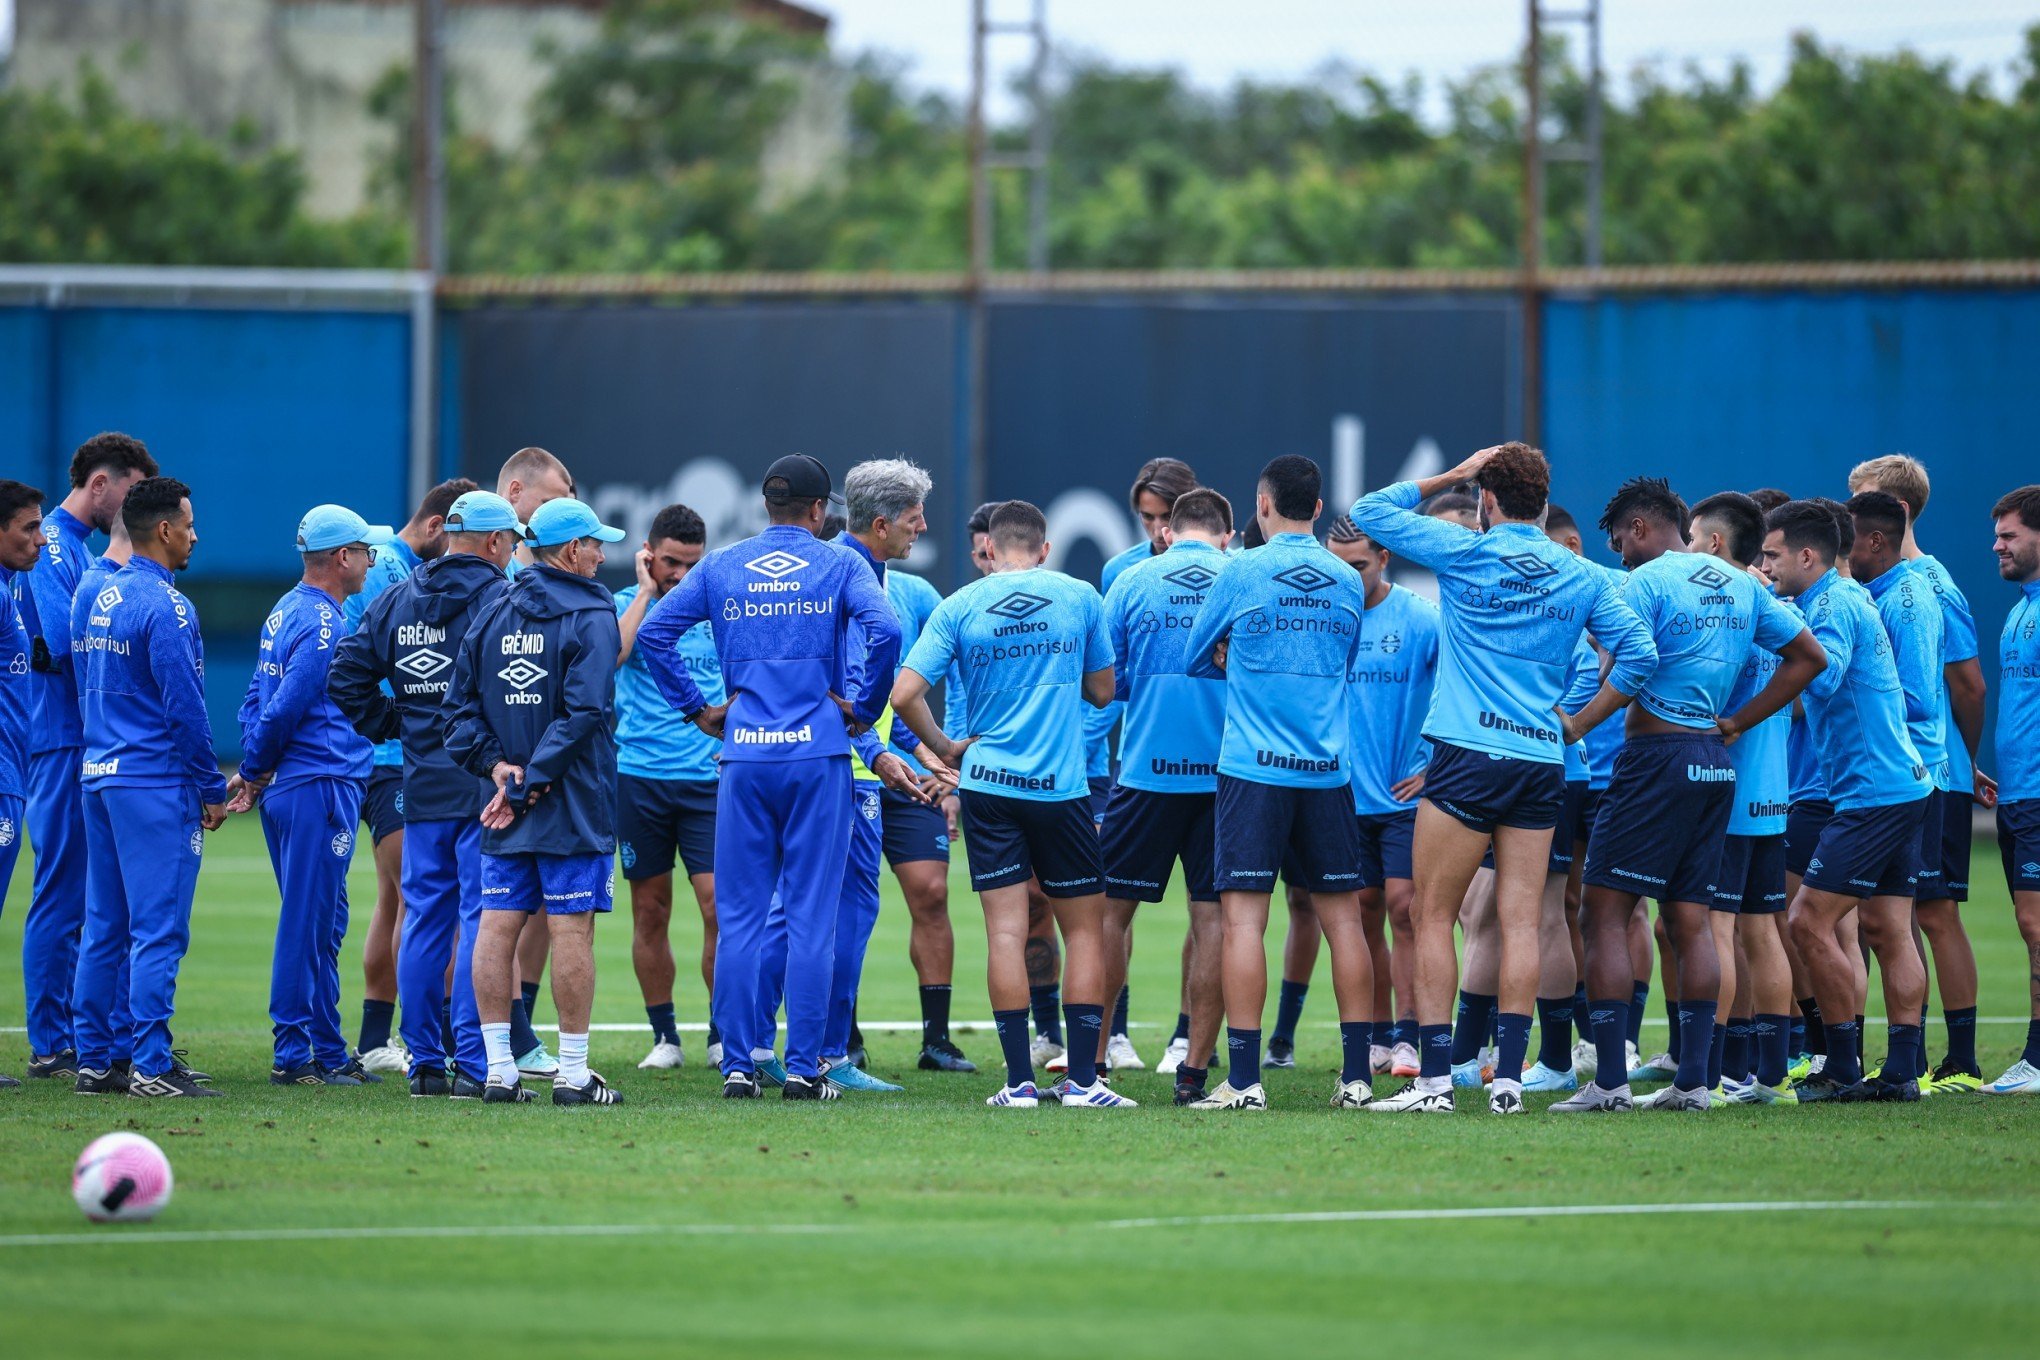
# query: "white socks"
574,1058
502,1063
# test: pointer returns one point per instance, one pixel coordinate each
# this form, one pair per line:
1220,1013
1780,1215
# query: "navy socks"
1434,1051
1470,1028
1609,1023
1012,1027
1289,1010
376,1017
1047,1006
665,1030
1554,1032
1085,1023
1356,1037
1696,1044
1243,1057
1512,1041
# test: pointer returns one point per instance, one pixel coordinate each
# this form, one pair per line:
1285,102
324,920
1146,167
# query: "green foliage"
648,148
85,181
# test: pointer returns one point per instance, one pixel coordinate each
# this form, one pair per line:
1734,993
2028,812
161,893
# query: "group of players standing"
1804,707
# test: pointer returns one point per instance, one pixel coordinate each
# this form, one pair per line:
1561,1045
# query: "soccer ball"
121,1178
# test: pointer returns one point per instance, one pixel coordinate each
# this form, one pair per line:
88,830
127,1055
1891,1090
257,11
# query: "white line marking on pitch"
116,1237
1542,1211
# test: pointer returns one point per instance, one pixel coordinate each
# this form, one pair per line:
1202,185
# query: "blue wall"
265,413
1792,390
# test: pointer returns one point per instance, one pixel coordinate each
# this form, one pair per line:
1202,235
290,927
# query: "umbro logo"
1529,566
2030,869
1813,867
1306,578
274,621
1194,578
1709,577
1019,605
423,664
107,599
522,674
775,564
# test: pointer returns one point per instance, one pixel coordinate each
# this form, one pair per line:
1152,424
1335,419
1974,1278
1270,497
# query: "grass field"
350,1223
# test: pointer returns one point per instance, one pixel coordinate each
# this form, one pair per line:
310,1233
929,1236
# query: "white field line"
1547,1211
112,1236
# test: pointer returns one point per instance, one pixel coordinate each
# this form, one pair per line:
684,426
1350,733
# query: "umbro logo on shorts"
1529,566
1019,605
521,673
775,564
1709,577
1306,578
423,664
2029,868
1191,578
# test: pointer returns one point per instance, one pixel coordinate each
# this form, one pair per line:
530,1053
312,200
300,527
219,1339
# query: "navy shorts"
1101,797
1590,808
1661,823
1804,821
659,820
1385,840
2019,843
1011,840
382,802
1869,852
1147,832
1486,791
1929,885
913,830
565,885
1751,879
1564,838
1944,848
1310,837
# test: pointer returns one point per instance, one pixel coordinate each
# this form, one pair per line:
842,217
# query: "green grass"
953,1230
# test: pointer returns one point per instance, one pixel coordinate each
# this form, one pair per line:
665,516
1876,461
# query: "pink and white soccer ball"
121,1178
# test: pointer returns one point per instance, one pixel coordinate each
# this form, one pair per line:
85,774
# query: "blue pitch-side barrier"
265,412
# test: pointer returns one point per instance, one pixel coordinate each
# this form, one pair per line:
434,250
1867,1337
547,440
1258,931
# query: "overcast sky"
1216,41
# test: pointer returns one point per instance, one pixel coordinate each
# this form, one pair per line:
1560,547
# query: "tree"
88,182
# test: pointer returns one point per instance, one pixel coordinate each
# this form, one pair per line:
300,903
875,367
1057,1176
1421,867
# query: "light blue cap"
335,526
481,512
563,521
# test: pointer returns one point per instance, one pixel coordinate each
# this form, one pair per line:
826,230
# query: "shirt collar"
2032,589
1885,580
1819,588
403,550
852,541
149,566
308,588
1190,545
1296,538
66,520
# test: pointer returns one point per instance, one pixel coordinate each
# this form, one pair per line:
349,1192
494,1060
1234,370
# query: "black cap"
797,477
